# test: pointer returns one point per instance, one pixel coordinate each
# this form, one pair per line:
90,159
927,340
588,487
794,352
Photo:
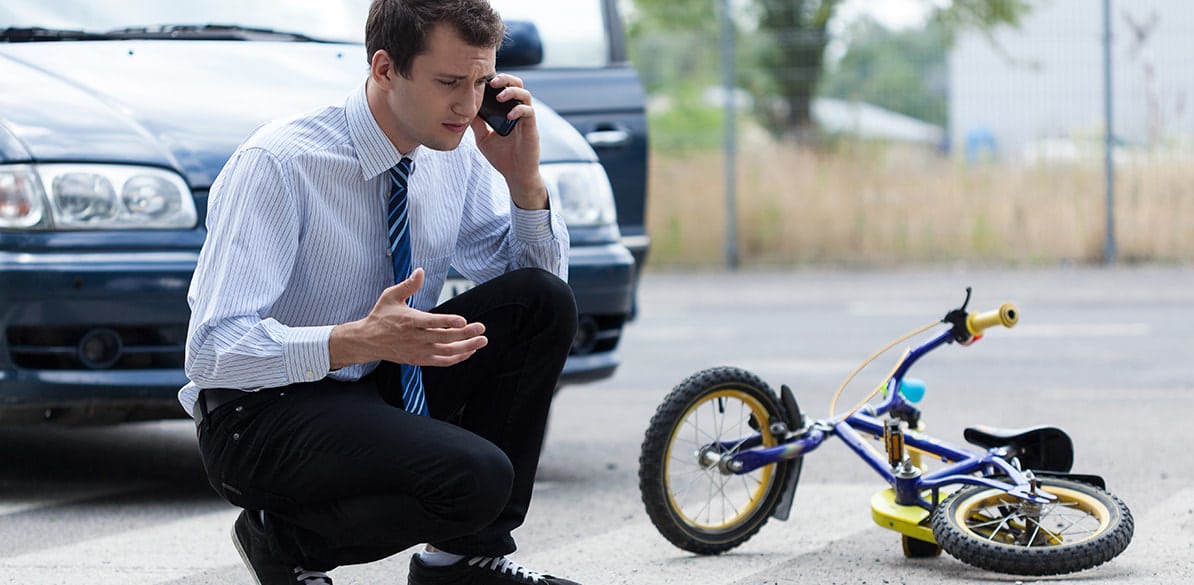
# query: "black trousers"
345,476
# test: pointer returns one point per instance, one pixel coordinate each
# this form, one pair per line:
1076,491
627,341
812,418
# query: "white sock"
438,558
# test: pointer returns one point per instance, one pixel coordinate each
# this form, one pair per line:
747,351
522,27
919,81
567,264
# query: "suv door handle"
608,138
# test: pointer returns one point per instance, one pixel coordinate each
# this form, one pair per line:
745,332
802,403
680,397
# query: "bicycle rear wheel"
691,498
1085,527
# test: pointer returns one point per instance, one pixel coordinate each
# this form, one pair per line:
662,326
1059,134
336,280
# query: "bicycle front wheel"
693,500
1084,527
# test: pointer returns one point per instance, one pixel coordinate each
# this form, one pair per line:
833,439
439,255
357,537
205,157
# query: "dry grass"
870,205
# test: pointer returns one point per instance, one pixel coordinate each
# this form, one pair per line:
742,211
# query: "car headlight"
581,193
84,196
21,200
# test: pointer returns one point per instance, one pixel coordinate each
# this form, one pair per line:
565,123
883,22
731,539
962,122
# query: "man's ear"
381,69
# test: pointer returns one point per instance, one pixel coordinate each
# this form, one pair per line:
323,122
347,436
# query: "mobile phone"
494,112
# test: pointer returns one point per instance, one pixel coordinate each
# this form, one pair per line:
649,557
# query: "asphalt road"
1107,354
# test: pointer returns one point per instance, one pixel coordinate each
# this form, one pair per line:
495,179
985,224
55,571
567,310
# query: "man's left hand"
515,156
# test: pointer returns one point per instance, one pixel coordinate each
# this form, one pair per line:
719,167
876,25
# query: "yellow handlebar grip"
1006,315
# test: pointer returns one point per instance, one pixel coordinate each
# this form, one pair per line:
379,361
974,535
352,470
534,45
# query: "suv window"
573,33
308,17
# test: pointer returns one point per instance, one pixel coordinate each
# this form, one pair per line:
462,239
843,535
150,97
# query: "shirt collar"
375,152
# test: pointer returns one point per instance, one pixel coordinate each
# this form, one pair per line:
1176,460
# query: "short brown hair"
401,27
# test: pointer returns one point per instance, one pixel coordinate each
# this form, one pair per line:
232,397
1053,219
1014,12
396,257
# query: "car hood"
185,105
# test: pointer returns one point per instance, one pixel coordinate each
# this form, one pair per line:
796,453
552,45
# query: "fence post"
1109,140
730,137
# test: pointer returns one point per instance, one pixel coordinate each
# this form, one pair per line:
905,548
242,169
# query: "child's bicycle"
723,454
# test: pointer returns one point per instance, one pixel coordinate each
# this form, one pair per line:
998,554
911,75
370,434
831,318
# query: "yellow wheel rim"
997,517
699,493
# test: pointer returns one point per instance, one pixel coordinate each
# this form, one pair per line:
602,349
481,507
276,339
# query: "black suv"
115,118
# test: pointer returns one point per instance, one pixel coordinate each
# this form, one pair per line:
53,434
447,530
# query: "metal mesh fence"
990,149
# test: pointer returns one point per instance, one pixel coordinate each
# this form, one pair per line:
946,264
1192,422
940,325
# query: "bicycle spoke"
747,489
682,499
1035,533
721,490
1004,520
699,430
700,491
719,418
1052,538
999,524
985,522
1067,522
708,504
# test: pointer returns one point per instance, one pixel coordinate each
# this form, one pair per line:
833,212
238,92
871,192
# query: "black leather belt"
213,398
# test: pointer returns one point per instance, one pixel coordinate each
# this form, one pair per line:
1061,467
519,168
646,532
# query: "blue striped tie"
413,398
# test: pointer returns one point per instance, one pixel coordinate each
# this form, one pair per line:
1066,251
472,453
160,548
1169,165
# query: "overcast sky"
893,13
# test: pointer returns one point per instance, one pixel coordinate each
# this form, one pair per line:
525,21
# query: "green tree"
794,34
784,42
903,71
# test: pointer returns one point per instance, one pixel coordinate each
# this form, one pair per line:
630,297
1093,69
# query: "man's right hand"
394,332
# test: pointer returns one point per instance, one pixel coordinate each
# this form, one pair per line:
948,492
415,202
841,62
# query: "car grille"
163,346
97,347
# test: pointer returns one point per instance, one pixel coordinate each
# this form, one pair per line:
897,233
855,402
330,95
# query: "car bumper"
603,281
100,337
96,337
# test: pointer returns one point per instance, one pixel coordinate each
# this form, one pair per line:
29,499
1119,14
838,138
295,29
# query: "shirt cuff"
531,225
306,354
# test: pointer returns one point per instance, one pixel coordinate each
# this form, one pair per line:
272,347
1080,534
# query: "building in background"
1036,93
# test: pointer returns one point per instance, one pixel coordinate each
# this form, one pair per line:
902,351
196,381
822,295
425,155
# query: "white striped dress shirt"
297,244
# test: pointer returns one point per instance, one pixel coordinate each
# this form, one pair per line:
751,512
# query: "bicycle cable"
867,362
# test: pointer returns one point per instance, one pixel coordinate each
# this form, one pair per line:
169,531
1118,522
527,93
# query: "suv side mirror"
522,48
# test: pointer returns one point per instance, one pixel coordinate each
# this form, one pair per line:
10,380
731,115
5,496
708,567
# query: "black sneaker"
248,534
479,571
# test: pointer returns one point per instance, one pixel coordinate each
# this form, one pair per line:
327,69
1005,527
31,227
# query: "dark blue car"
114,120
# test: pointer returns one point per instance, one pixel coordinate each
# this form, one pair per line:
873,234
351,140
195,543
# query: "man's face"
436,104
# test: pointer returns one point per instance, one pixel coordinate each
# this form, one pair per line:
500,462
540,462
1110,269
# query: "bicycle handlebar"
1006,315
965,328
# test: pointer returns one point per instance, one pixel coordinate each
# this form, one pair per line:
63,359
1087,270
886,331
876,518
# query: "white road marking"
821,514
145,556
667,334
19,498
636,553
1034,329
789,366
1073,330
893,309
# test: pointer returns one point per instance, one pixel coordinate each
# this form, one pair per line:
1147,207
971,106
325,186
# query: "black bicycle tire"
652,474
974,549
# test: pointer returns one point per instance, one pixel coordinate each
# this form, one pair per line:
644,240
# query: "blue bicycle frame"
965,466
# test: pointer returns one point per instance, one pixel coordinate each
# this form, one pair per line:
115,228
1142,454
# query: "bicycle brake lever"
957,319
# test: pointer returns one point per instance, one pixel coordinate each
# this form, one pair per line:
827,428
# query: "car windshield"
573,32
338,20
